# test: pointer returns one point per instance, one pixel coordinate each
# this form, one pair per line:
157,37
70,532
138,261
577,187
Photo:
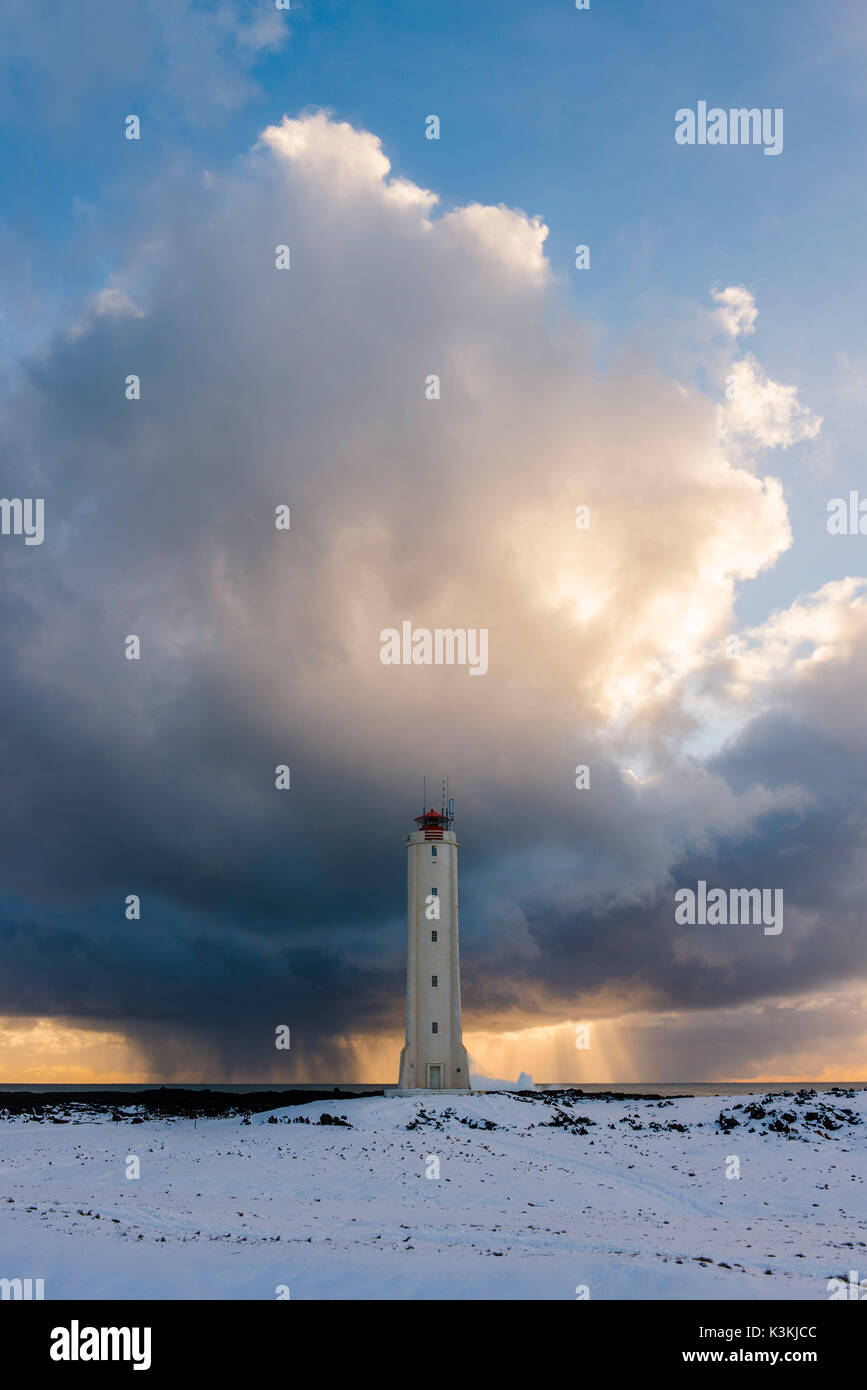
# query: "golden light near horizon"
44,1051
623,1049
550,1052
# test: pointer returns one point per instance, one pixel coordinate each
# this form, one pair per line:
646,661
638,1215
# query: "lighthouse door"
434,1073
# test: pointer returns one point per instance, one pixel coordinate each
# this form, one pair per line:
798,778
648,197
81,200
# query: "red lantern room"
433,823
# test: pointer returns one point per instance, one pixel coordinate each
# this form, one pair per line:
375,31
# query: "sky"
700,647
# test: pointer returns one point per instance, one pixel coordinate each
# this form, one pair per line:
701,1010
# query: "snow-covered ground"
525,1204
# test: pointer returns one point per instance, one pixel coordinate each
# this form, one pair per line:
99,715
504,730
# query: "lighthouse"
434,1057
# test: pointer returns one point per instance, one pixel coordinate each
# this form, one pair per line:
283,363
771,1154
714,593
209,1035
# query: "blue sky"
543,107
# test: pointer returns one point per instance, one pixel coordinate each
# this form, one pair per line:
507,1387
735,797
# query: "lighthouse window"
434,1027
434,893
433,936
433,850
433,980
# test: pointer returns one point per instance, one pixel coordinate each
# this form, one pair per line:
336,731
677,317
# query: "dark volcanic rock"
159,1103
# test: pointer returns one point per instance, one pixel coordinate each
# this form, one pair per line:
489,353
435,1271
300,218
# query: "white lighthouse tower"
434,1057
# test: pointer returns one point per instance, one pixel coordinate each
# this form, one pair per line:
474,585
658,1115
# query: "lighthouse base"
452,1065
426,1091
